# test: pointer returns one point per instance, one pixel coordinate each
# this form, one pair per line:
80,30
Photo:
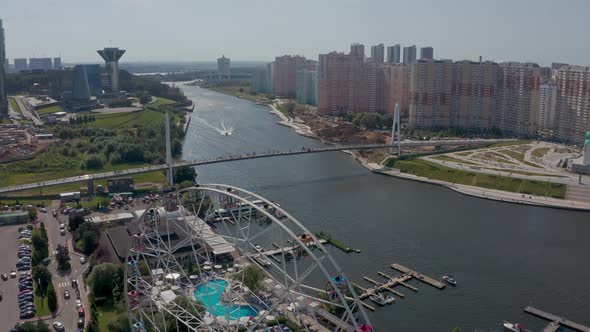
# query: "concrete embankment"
299,128
497,195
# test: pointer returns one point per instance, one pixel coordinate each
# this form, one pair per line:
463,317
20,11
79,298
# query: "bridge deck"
556,319
231,158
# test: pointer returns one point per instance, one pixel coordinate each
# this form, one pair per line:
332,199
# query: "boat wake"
222,128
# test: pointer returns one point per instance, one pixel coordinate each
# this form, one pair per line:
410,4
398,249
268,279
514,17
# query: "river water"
504,256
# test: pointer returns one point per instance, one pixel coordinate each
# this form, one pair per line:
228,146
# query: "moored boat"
379,299
515,327
450,280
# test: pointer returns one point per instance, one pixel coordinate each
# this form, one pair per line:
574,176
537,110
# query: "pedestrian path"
578,192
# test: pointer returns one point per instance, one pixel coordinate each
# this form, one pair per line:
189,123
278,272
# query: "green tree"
119,324
102,280
251,276
42,277
185,173
63,258
32,214
90,242
40,247
38,326
94,162
51,298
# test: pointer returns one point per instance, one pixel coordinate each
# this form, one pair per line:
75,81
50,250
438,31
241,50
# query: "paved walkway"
497,195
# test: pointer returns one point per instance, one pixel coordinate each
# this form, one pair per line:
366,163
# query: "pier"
431,281
556,321
285,249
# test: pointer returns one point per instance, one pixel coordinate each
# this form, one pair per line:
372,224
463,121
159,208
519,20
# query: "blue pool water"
209,294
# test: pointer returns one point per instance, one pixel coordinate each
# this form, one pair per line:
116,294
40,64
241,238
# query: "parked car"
81,312
66,294
27,315
80,322
42,209
58,326
4,276
62,231
13,274
82,260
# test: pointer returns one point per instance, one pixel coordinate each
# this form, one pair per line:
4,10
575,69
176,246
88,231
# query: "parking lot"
9,312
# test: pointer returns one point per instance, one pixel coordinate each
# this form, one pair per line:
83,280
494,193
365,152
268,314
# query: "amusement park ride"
219,258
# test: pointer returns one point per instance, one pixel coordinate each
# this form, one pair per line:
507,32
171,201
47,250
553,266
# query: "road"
245,156
68,314
26,113
9,305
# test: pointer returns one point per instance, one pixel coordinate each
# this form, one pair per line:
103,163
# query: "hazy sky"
542,31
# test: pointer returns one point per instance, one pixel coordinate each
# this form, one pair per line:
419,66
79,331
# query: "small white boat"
450,280
514,327
389,299
379,299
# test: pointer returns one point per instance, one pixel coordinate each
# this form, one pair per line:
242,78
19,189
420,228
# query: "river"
504,256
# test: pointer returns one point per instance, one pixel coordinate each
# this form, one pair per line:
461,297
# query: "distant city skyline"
541,31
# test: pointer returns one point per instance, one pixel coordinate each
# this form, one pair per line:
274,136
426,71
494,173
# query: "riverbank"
492,194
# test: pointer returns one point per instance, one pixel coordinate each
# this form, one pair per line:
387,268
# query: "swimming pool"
209,294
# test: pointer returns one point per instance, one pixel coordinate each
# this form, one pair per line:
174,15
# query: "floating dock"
391,282
431,281
556,320
285,249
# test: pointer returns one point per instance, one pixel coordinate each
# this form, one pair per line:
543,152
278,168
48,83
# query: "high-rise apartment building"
547,103
307,86
261,80
3,98
431,85
473,95
44,64
57,63
377,53
517,103
426,53
357,50
409,54
284,74
223,67
397,87
338,82
393,54
20,64
572,118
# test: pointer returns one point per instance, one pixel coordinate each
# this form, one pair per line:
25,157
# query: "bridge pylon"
396,124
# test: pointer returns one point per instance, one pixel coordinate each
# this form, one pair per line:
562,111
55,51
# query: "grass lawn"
106,314
162,101
539,152
517,142
525,172
15,106
49,110
443,157
465,154
121,120
4,121
234,90
493,156
432,170
41,304
518,156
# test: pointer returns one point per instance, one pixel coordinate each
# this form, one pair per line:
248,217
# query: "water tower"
111,56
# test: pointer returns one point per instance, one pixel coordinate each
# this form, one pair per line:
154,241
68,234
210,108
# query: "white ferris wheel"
220,258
